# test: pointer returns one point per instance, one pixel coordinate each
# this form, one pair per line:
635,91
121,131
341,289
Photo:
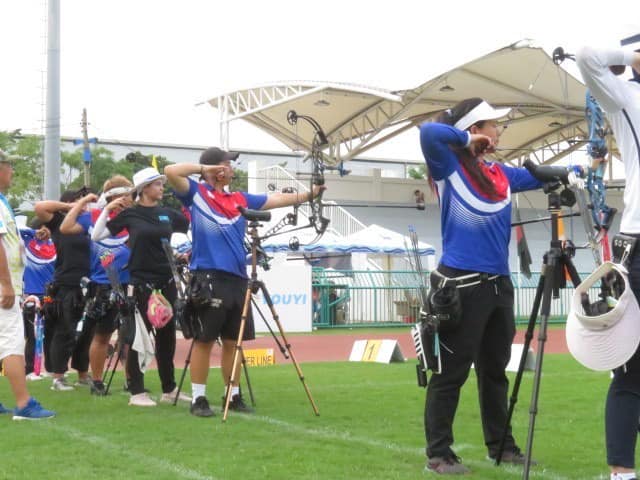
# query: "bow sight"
559,55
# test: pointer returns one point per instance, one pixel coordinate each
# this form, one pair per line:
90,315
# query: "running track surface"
337,347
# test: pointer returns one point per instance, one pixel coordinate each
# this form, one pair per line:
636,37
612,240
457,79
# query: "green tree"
102,167
418,173
240,181
27,183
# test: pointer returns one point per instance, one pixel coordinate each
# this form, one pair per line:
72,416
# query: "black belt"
212,274
464,280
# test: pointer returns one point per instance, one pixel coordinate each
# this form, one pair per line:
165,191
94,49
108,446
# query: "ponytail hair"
450,116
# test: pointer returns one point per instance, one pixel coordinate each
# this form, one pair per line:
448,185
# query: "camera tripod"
253,286
556,261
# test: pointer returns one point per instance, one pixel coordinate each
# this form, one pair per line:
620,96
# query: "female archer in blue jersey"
475,201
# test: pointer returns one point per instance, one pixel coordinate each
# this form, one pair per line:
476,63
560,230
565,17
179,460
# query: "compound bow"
601,214
317,220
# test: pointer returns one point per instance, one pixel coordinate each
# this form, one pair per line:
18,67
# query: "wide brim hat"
146,176
606,341
482,111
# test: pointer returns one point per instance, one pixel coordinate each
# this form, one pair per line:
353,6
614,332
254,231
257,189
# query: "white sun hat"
483,111
146,176
607,341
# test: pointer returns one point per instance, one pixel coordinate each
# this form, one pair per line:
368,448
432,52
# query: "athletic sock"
197,390
234,390
623,476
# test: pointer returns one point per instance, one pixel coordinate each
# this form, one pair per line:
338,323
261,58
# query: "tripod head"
254,215
556,200
258,255
553,178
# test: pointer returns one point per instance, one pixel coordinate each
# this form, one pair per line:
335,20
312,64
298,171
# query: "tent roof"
374,240
547,106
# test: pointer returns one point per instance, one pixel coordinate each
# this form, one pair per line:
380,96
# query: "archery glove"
574,179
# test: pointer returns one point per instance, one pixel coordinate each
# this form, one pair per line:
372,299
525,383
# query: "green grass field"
370,427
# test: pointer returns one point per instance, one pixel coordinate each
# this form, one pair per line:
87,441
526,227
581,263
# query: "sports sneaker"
98,388
171,396
142,400
237,405
61,385
450,465
513,457
4,409
84,382
32,411
32,377
200,408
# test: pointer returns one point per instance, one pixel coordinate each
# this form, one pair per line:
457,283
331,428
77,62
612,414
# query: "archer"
218,262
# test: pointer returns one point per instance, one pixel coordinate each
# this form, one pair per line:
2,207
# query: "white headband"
102,201
483,111
117,191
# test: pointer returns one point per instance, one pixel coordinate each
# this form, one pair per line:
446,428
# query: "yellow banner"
259,357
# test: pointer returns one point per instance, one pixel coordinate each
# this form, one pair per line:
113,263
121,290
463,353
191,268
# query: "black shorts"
221,316
102,313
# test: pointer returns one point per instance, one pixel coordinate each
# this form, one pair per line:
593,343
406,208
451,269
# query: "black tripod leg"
246,376
273,334
113,370
528,336
552,266
276,319
111,353
187,361
573,272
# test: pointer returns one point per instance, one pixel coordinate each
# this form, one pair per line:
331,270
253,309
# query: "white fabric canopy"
546,122
372,240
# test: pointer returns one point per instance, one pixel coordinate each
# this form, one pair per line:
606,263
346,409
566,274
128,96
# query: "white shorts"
11,331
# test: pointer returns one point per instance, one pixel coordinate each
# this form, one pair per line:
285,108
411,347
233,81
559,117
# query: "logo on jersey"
107,258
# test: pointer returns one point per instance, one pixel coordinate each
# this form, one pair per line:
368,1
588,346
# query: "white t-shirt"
620,100
12,244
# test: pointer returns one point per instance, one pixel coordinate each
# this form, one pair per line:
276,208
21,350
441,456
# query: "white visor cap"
483,111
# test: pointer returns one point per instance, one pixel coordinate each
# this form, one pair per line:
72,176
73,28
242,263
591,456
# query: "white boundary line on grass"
328,434
161,465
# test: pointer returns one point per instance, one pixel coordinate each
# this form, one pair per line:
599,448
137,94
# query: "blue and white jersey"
476,229
40,260
217,228
110,250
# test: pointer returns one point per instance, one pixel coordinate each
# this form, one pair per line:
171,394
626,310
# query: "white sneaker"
32,377
142,400
170,397
61,385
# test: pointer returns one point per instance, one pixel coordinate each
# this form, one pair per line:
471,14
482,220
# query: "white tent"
380,240
374,240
